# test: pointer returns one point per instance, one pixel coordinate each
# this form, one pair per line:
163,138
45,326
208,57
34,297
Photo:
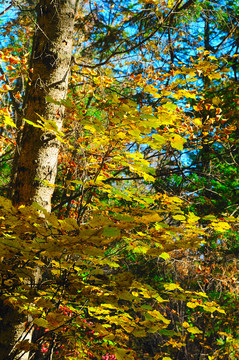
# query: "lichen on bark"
36,166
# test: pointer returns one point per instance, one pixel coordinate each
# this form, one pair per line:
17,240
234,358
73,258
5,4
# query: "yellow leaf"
6,87
108,71
186,324
221,311
197,122
177,142
192,305
151,218
194,330
121,135
91,128
170,3
159,139
8,282
157,315
172,286
221,226
179,217
210,306
216,100
175,199
216,76
21,206
148,177
164,256
192,218
200,293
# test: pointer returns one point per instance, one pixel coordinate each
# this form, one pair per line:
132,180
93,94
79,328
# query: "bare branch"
5,10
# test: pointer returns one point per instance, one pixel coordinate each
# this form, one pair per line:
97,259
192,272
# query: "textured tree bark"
36,166
8,329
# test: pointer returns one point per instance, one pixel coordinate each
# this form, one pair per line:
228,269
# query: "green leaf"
49,99
93,251
125,218
209,217
111,231
170,333
33,124
122,354
164,256
139,332
160,140
41,322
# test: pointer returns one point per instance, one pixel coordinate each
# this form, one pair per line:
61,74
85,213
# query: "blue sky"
9,14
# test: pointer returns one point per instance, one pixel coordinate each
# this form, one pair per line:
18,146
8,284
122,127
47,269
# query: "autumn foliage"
139,257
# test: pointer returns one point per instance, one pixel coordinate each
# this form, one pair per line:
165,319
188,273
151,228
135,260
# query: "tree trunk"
35,164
